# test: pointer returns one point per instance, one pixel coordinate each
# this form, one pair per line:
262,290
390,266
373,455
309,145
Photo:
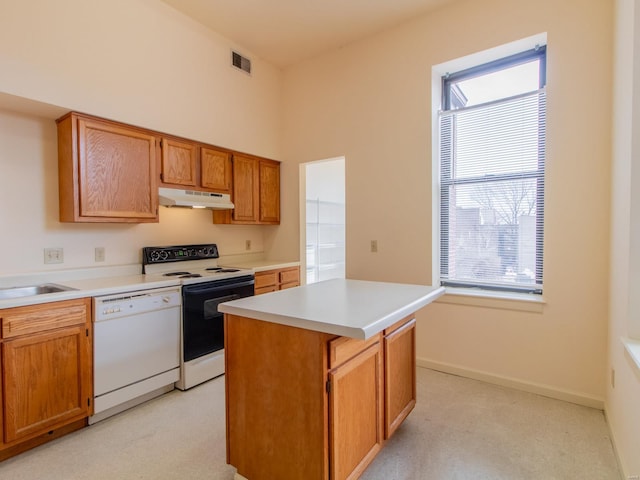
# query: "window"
492,159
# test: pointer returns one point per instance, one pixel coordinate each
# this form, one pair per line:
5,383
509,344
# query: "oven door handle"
198,288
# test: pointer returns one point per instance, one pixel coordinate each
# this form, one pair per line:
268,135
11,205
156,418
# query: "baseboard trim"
531,387
612,438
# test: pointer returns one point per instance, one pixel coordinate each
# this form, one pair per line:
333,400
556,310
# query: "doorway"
323,223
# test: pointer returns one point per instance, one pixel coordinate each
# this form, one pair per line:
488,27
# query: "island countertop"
349,308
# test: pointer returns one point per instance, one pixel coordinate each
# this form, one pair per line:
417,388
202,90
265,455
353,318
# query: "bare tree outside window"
508,200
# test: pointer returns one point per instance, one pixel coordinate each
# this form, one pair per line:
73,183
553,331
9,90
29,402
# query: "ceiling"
284,32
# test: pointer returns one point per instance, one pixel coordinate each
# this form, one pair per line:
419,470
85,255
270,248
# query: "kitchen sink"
16,292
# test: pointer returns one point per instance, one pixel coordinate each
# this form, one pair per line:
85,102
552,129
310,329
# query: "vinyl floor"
460,429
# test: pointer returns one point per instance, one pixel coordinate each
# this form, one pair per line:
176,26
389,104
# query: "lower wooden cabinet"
47,381
399,373
276,279
355,413
305,404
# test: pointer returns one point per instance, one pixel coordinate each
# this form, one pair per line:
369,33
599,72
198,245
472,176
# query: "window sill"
633,349
521,302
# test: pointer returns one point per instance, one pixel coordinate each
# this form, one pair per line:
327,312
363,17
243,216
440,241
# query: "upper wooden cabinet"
110,172
189,164
106,171
216,171
269,211
178,162
255,194
246,189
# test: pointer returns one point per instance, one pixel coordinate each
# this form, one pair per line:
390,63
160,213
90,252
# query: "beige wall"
622,409
371,102
135,61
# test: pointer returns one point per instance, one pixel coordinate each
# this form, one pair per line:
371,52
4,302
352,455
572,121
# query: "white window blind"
492,160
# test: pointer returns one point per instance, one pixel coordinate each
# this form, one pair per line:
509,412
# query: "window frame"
448,82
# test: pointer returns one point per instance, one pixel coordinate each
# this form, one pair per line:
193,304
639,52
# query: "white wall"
622,409
371,102
135,61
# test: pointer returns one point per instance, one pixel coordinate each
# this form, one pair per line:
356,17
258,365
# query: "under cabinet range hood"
171,197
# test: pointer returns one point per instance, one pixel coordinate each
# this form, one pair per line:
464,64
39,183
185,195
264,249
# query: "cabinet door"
47,381
245,189
400,375
269,192
215,170
117,173
2,409
178,162
355,413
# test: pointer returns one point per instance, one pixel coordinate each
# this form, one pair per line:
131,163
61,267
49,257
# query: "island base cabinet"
355,413
276,400
308,405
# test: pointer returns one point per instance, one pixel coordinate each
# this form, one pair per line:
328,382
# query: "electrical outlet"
247,245
613,378
374,246
53,255
99,254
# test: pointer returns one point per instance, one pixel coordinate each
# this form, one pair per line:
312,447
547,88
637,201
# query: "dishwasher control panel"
132,303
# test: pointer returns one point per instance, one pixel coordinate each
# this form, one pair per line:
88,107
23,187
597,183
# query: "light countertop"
94,282
258,265
351,308
86,287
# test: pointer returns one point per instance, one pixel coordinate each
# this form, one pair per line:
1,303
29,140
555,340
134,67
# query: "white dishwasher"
136,348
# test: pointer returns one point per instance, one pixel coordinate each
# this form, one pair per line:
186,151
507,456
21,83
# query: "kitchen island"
319,377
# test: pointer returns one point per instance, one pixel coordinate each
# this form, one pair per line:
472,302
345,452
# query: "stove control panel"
178,253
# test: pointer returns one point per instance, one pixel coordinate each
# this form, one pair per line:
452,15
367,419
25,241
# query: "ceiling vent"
240,62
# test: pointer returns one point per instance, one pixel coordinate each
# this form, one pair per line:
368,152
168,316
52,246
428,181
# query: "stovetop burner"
181,274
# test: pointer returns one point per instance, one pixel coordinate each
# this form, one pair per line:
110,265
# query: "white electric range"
204,286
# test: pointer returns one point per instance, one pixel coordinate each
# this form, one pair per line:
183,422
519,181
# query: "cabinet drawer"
265,280
342,349
267,289
291,275
284,286
37,318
